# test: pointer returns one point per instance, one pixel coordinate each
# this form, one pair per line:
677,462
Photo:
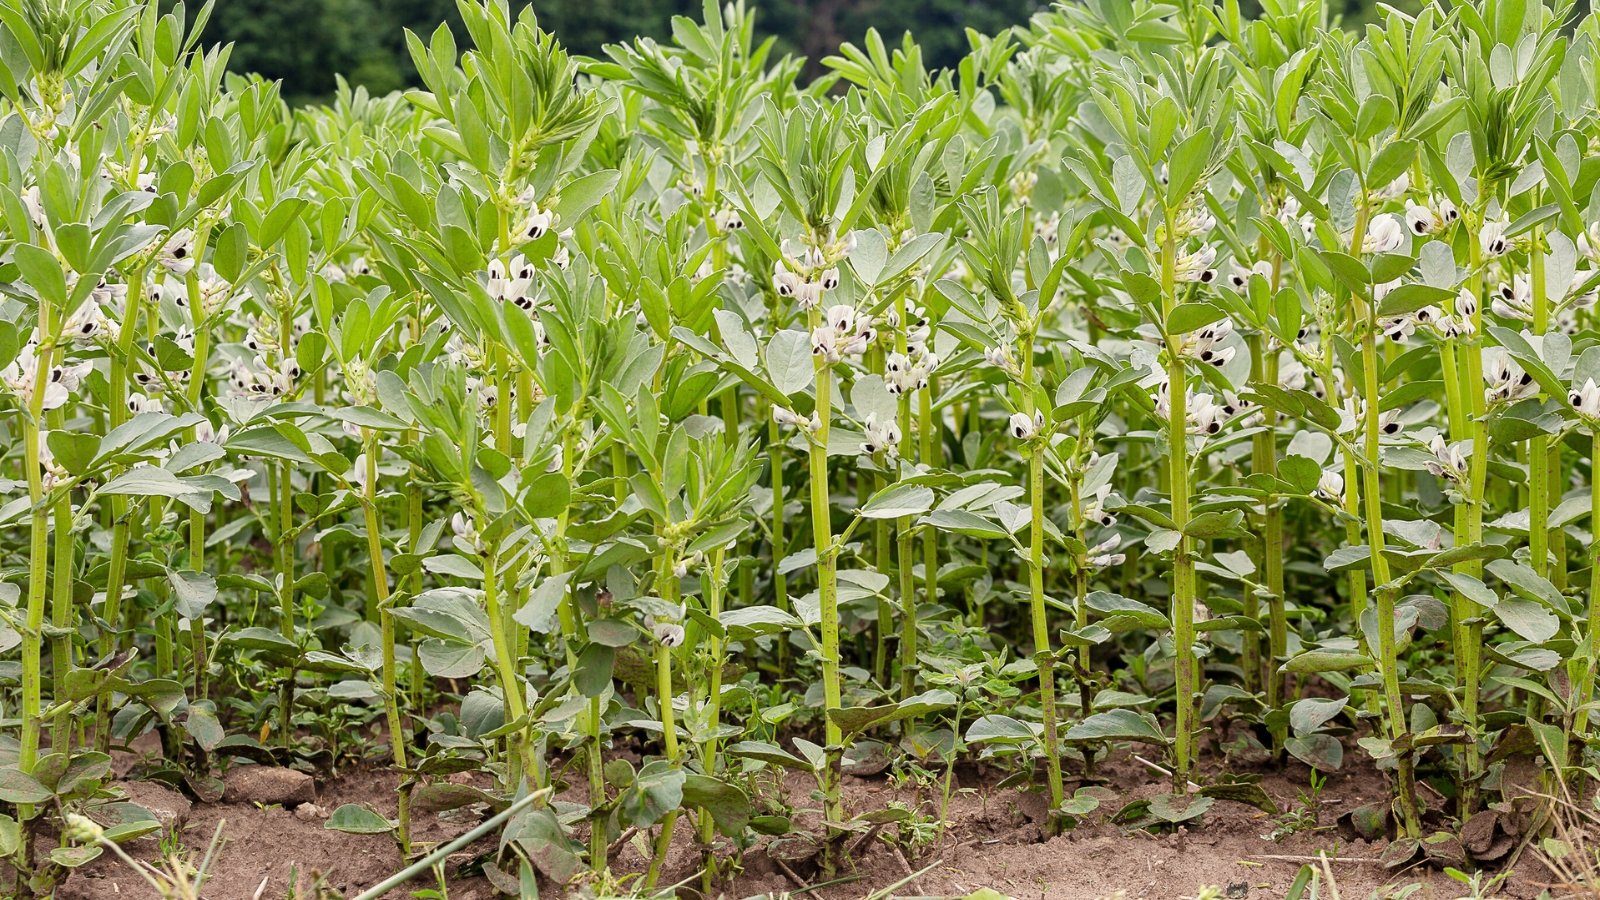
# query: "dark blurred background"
306,42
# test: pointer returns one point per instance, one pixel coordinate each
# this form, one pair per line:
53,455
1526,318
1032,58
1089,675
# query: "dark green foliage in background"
307,43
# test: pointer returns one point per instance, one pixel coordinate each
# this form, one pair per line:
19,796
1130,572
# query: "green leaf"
656,791
352,818
17,786
789,361
1117,725
855,719
898,500
1322,752
1326,661
73,450
998,729
728,804
1175,808
1187,317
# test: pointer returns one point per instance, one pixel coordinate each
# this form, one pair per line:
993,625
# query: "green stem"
505,664
38,556
904,535
1388,663
709,762
1043,654
380,588
1591,647
117,567
928,455
1183,584
669,734
828,598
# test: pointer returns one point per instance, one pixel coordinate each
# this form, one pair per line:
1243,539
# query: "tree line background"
306,43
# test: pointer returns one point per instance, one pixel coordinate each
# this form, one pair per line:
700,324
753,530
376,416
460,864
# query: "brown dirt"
993,839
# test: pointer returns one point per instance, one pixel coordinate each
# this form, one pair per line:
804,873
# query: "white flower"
465,529
1400,328
30,200
1233,405
1100,555
511,282
1203,345
824,343
1289,211
1000,358
1240,276
1094,508
536,223
1394,188
1046,227
668,634
1206,417
1420,219
1514,299
788,417
1586,399
1504,379
729,220
1389,423
20,374
1331,485
139,403
177,254
843,318
1196,266
1449,461
880,436
1193,221
1445,211
1589,242
786,283
1492,238
1024,427
1384,235
85,324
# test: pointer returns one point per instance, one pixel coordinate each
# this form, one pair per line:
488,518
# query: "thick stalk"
504,662
38,553
669,727
1539,444
61,619
380,587
1183,560
1470,652
282,564
885,612
1251,660
928,455
905,567
1388,663
1591,652
709,762
780,581
827,594
283,499
197,519
117,567
1272,534
1043,654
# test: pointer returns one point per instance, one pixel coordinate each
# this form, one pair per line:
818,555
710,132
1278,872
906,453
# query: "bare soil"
993,838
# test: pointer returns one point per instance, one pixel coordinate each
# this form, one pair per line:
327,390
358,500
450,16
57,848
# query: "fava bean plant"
601,440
